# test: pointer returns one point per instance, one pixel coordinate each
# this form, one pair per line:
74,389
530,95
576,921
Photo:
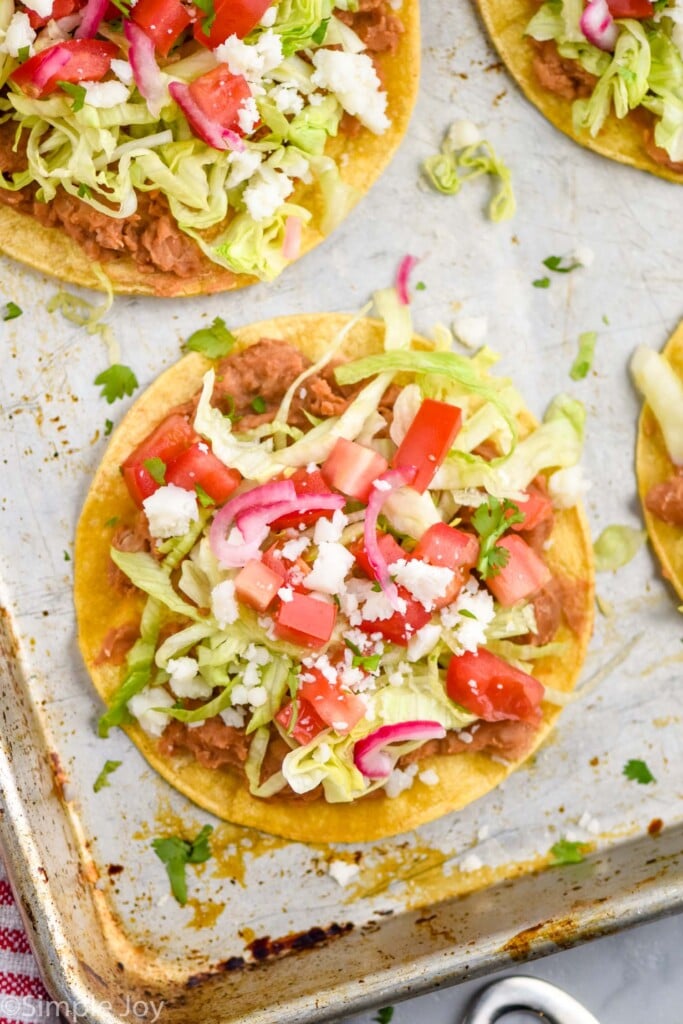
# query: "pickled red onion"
211,132
53,60
406,266
375,763
394,478
597,24
93,12
146,71
292,240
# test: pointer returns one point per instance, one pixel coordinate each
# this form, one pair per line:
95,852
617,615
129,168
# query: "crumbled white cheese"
429,777
381,485
248,116
330,568
424,581
470,632
43,8
122,70
252,60
471,862
185,681
170,510
353,79
589,823
330,529
568,486
266,193
342,871
258,695
251,675
424,641
233,717
258,654
268,19
400,780
377,607
224,603
105,95
19,34
141,707
463,133
293,549
287,99
471,330
483,833
242,166
286,594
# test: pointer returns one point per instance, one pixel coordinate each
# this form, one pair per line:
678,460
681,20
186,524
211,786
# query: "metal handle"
524,993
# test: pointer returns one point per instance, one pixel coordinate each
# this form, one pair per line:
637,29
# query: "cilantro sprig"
638,771
156,468
213,341
12,311
561,265
491,520
384,1015
369,662
116,382
175,853
77,92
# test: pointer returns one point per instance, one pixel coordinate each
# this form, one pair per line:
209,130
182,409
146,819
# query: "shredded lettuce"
584,357
139,662
254,763
419,699
616,546
448,170
662,387
147,575
275,680
328,761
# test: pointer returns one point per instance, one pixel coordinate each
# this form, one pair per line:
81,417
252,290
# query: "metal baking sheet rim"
579,914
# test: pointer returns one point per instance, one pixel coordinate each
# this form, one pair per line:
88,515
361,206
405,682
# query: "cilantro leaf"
102,779
12,311
116,381
205,500
420,286
258,404
67,556
175,853
558,265
384,1015
467,614
369,662
207,7
78,92
108,427
565,852
23,53
638,771
318,36
584,357
541,282
156,468
213,342
123,6
84,191
491,520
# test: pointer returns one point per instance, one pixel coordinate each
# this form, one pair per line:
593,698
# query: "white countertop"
633,977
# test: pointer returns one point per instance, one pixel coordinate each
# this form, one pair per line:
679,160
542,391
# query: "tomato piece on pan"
232,17
351,468
428,440
220,96
338,708
487,686
308,723
197,465
524,574
162,20
305,620
171,438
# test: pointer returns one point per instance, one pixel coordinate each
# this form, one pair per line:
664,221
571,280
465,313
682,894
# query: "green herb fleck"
112,522
558,265
213,342
541,282
108,427
205,500
23,52
84,191
102,779
420,286
467,614
12,311
384,1015
156,468
605,319
116,381
491,520
78,93
175,853
584,357
208,8
638,771
122,6
565,852
258,404
67,556
318,36
369,662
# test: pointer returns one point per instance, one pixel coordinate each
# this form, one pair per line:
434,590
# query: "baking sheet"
108,937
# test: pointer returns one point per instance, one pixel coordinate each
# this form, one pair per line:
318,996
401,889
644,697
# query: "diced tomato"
305,483
305,620
257,585
351,468
338,708
490,688
630,8
275,562
233,17
166,442
162,20
88,60
402,625
428,440
535,510
524,574
220,96
308,723
446,546
198,465
388,546
60,9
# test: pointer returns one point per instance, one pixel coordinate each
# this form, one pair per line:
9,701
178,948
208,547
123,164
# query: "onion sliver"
93,12
374,762
406,266
381,489
597,24
146,71
211,132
